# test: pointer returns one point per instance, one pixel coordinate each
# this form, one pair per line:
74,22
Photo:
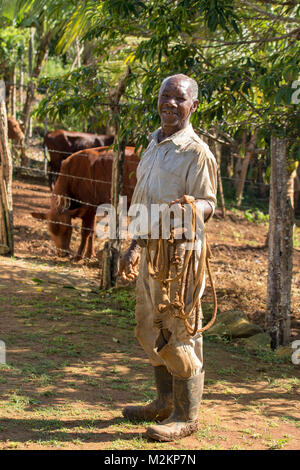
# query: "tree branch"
282,4
285,19
249,102
292,33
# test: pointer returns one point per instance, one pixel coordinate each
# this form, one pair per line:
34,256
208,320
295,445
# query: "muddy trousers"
170,346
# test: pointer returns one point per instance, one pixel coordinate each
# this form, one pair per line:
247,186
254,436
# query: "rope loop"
160,269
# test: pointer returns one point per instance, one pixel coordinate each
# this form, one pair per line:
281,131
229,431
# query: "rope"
160,268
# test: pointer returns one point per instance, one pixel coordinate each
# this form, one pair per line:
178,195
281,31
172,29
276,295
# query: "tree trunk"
280,247
218,153
14,92
41,54
78,52
248,155
6,205
237,171
230,166
21,91
239,163
30,66
112,248
45,147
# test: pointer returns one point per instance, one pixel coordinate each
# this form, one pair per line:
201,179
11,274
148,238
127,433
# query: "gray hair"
192,82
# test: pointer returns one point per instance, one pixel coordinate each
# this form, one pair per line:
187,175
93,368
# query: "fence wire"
92,180
49,172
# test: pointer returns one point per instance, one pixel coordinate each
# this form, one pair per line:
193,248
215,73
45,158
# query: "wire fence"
79,202
50,172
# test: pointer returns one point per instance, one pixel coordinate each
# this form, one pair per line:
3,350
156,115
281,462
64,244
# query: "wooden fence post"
280,245
218,155
112,248
6,205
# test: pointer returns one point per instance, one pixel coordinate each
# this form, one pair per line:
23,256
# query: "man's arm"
206,207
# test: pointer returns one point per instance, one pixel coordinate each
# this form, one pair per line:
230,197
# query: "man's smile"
169,112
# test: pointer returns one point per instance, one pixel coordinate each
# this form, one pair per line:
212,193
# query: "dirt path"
72,361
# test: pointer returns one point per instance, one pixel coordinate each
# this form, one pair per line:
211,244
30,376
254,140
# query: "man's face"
175,104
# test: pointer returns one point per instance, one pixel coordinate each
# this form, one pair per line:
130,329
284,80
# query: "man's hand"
206,207
128,269
182,201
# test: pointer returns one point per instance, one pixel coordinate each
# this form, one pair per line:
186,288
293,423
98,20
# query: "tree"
6,207
12,46
278,318
46,18
243,54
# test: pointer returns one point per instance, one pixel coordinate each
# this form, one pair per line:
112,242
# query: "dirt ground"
72,361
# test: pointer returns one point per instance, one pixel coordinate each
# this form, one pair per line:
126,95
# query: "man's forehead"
179,83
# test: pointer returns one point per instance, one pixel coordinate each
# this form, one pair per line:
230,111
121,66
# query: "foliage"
256,216
245,77
12,46
243,55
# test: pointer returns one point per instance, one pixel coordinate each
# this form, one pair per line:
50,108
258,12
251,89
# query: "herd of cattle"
84,182
79,172
80,182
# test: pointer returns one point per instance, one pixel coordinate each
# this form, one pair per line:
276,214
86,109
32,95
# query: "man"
177,164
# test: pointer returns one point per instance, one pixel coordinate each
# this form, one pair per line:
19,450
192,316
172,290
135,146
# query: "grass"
73,367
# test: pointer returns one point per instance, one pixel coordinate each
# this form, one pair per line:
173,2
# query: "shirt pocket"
165,186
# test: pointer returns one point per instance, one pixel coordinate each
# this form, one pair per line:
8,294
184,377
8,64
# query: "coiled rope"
160,268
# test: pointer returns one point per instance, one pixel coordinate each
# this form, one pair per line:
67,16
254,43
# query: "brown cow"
61,144
84,184
16,135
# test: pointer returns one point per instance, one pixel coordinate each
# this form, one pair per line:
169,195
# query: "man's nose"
172,101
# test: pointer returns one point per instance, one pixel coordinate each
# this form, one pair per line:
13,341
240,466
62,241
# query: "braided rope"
160,268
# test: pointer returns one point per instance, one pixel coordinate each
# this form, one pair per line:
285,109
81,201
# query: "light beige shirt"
181,164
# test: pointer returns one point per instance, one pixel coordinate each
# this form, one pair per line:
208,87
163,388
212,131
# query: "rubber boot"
183,421
161,407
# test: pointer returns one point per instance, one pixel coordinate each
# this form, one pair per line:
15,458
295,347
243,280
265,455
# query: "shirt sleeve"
202,177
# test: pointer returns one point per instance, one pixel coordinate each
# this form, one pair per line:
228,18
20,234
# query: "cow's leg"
24,159
82,247
87,236
91,238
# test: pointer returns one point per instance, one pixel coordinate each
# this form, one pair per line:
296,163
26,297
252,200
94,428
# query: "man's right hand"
128,269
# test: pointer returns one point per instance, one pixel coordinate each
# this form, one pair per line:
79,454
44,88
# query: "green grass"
71,368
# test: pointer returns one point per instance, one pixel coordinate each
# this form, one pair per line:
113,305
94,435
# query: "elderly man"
176,164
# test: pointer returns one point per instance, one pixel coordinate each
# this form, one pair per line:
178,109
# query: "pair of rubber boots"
177,406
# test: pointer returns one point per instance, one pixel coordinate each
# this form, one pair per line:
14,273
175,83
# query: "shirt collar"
178,138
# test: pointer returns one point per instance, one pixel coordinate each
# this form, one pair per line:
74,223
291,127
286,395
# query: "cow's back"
61,144
69,141
86,175
81,140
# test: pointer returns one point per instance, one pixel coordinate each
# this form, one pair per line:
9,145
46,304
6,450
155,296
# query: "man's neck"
164,133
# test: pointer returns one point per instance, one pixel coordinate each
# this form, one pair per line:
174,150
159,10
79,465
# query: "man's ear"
195,106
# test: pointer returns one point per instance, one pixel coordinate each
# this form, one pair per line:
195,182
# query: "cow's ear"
39,215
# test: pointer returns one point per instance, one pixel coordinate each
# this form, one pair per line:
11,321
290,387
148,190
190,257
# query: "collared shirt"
181,164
